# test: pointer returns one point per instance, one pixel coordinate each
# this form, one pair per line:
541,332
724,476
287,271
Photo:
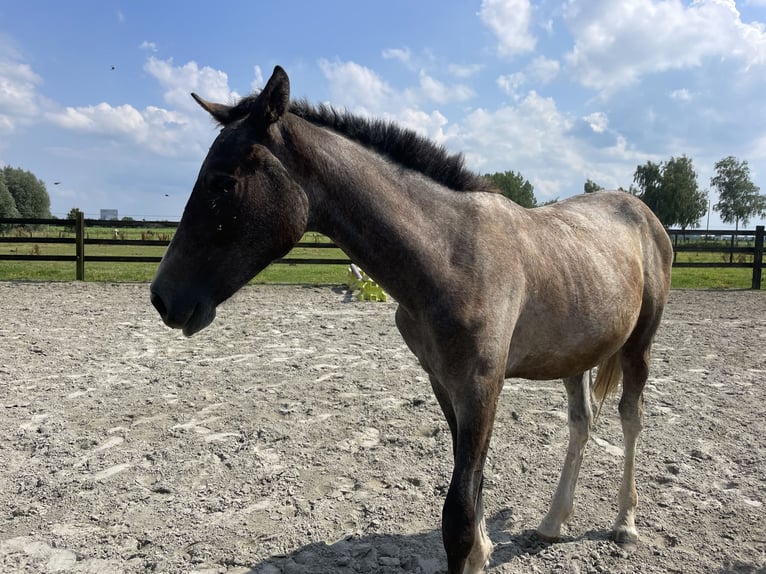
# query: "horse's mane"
399,144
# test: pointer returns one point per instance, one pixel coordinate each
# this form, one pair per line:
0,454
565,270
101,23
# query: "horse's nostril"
159,304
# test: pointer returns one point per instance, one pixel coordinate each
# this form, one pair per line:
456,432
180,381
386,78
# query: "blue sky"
95,94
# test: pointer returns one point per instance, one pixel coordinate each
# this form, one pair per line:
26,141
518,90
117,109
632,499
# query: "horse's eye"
221,185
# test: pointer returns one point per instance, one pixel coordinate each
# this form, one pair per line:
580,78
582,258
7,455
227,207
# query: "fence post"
79,230
758,257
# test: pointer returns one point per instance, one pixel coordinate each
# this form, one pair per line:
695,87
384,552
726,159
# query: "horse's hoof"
625,538
479,558
548,533
546,537
470,569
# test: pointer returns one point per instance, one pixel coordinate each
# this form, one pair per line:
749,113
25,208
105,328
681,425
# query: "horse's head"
245,211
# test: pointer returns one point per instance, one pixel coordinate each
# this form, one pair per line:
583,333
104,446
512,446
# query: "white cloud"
509,20
19,101
430,125
543,69
541,141
597,121
681,94
355,86
532,136
167,132
512,83
101,118
464,71
361,89
757,151
150,46
257,82
179,81
401,54
616,43
432,90
162,131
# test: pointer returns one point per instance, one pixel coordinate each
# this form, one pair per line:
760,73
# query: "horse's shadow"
420,553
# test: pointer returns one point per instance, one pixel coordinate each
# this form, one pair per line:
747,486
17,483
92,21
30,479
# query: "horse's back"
596,264
620,222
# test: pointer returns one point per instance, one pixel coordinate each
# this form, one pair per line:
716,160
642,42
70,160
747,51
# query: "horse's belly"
547,366
565,349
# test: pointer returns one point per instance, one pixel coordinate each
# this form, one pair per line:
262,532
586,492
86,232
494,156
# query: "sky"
94,94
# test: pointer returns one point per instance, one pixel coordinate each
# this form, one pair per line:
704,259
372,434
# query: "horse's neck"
393,223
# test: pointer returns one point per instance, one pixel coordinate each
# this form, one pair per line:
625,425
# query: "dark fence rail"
726,242
684,240
80,240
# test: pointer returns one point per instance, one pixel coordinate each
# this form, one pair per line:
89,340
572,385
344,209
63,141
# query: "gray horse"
486,289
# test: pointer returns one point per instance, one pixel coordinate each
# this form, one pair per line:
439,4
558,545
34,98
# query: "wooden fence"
697,241
81,239
689,240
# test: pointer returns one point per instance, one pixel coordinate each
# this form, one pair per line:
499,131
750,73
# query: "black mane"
401,145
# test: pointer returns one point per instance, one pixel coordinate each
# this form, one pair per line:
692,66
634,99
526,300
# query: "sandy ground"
298,434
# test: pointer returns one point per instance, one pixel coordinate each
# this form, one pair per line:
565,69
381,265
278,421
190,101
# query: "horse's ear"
221,112
276,95
271,104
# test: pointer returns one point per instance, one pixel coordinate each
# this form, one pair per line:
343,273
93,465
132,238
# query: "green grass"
711,278
143,272
685,278
303,274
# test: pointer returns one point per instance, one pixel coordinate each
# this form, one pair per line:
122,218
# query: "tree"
71,217
671,192
29,193
689,203
515,187
591,186
7,203
738,197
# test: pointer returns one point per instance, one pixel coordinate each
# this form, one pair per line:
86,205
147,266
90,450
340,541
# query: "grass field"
143,272
694,278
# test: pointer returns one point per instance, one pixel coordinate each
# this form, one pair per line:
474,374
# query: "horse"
486,289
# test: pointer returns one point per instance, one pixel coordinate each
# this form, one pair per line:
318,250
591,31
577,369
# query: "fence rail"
697,241
81,239
684,241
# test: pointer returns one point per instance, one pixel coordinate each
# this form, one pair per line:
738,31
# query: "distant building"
109,215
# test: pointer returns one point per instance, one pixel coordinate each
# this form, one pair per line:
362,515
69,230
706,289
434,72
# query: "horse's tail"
608,379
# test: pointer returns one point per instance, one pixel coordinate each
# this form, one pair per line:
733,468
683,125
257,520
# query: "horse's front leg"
470,413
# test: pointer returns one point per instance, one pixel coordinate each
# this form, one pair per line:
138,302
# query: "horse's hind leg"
580,421
634,358
635,367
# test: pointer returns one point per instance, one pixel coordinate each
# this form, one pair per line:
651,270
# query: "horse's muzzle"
189,316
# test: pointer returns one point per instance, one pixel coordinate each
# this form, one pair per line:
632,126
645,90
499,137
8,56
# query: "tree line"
669,188
22,194
671,191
